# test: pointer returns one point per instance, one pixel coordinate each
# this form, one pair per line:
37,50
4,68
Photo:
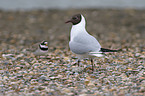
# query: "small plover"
42,49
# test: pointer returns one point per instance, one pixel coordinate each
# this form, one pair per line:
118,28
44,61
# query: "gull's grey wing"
84,43
79,48
87,39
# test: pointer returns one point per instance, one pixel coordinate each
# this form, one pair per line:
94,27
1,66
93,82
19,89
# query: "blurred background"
68,4
24,22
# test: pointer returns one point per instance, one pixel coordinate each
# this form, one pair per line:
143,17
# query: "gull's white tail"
97,54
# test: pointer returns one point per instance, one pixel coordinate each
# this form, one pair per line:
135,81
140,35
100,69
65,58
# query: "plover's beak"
68,21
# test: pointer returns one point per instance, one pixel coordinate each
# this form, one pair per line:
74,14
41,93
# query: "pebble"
66,90
84,95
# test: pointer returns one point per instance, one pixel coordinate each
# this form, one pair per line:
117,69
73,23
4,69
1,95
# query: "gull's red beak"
68,21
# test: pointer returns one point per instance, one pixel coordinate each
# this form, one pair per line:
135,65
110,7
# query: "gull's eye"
74,18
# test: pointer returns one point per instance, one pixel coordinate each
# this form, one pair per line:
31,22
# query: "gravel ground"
57,74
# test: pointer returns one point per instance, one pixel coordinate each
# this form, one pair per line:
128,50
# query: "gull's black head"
75,19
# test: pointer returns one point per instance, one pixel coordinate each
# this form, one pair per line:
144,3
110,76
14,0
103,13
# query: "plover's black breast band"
42,48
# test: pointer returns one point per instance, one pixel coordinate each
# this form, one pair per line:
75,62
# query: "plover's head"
43,45
75,19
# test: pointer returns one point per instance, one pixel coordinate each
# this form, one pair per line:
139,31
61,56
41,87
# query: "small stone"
52,77
91,84
112,90
20,55
17,68
7,55
87,82
66,58
138,94
137,54
5,77
84,95
77,69
66,90
70,94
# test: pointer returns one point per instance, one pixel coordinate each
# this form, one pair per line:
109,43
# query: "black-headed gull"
82,43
